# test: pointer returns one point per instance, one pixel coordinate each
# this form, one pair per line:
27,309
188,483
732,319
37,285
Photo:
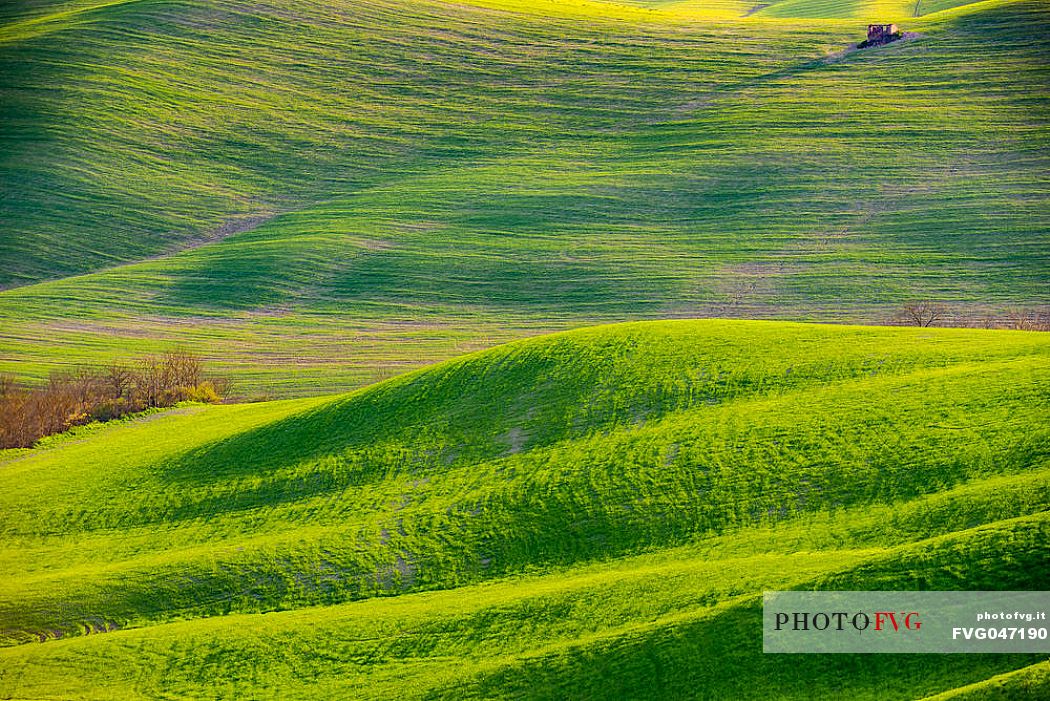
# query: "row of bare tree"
101,394
926,313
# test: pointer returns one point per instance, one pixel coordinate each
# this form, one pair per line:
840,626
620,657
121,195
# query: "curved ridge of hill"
616,497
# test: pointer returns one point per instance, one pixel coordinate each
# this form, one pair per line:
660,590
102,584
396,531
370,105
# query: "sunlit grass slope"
592,514
443,177
874,10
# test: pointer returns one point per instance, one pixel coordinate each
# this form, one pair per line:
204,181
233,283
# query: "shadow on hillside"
479,408
677,659
407,425
269,448
690,660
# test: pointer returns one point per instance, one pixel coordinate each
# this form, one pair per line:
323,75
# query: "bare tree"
119,380
12,413
223,386
149,380
924,313
1027,320
182,369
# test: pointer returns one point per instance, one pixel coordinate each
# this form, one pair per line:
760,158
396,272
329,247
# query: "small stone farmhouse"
882,33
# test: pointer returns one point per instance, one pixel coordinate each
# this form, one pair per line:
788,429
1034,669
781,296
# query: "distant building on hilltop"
881,34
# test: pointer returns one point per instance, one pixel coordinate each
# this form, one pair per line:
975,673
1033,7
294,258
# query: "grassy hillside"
316,195
591,514
873,10
357,188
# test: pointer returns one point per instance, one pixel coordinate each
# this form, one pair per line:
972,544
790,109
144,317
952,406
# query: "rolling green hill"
411,195
592,514
316,195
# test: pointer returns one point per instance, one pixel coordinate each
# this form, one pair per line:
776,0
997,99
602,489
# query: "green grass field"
416,228
320,195
591,514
